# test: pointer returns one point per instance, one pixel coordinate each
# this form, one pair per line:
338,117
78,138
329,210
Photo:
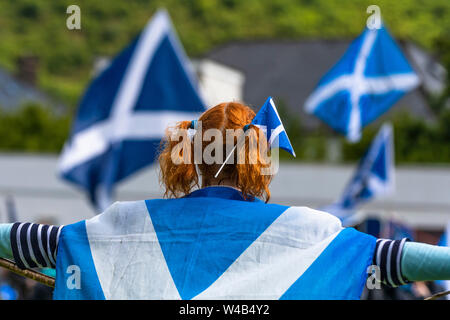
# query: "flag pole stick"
226,160
28,273
438,295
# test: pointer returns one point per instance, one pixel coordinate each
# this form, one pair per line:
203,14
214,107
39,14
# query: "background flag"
265,251
374,176
371,76
269,121
125,110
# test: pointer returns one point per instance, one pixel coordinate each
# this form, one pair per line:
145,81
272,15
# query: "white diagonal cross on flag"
358,85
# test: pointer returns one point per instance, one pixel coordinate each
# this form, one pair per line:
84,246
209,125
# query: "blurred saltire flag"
125,110
374,177
371,76
269,121
168,249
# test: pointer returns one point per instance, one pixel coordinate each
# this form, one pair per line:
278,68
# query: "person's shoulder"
125,209
121,218
315,214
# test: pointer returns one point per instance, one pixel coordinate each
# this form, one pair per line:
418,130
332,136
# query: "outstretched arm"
401,262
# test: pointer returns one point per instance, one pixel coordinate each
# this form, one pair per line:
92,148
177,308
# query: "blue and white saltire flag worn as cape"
211,244
125,110
269,121
371,76
374,177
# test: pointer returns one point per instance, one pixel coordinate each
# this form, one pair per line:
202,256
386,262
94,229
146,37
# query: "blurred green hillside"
66,56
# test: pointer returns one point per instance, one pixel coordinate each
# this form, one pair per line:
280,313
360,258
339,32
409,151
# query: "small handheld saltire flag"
125,110
374,176
212,244
11,209
371,76
269,121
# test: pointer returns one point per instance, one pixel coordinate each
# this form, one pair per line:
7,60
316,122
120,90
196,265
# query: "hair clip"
193,124
246,127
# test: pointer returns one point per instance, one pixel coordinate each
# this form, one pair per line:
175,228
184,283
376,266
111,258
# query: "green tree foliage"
33,128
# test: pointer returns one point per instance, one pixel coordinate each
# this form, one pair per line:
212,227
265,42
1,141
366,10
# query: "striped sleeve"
34,245
387,257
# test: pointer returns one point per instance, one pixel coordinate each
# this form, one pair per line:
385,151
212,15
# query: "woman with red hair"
216,236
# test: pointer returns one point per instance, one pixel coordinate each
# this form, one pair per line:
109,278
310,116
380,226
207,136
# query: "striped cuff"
387,257
34,245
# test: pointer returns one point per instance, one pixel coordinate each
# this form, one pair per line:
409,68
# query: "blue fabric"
7,292
211,228
334,273
96,105
49,272
376,164
166,85
444,240
73,249
114,165
268,117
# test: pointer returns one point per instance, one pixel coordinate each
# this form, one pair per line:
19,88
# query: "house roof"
290,70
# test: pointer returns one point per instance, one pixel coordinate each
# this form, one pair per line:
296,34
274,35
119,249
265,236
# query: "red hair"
179,177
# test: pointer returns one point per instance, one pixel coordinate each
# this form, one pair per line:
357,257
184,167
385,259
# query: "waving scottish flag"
371,76
374,177
269,121
212,244
125,110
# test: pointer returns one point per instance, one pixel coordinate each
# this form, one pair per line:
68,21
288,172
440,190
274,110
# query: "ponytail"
251,162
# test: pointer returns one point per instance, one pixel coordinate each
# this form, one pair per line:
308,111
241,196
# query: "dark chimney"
27,69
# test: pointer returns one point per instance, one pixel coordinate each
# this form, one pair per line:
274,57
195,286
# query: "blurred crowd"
15,287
